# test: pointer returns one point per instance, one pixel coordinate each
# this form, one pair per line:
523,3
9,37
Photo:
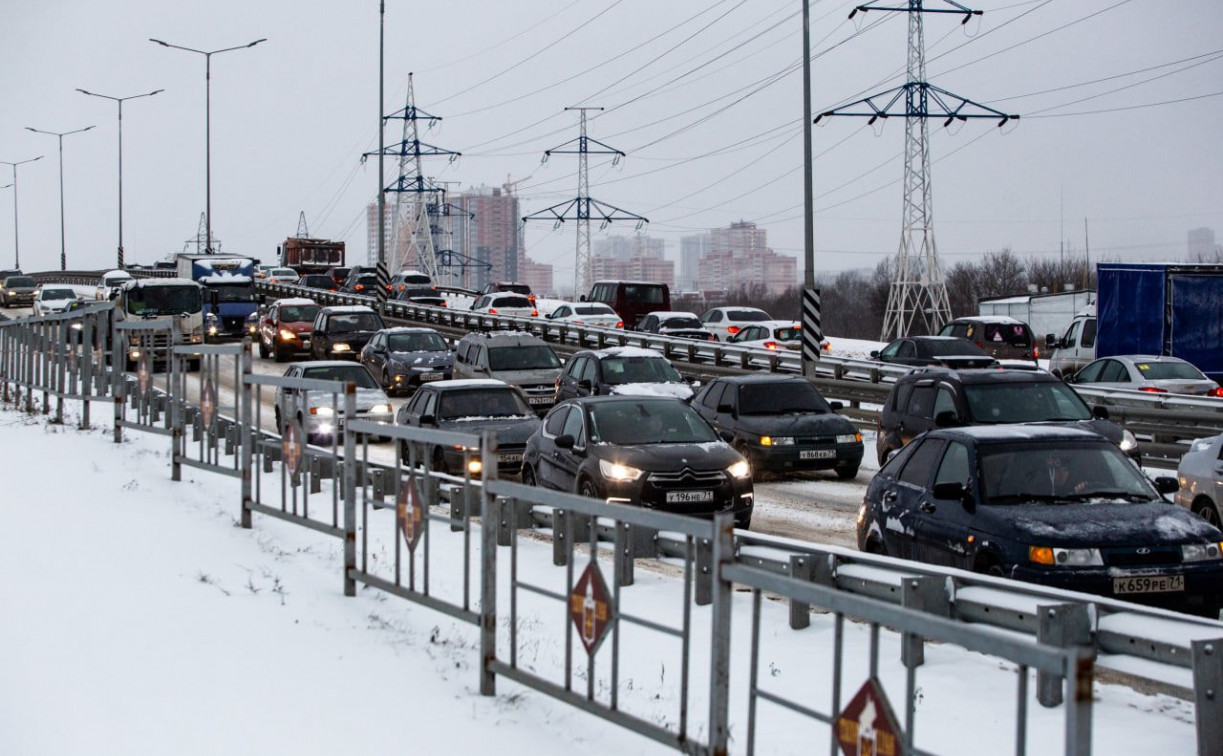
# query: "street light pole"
63,247
16,246
208,126
120,100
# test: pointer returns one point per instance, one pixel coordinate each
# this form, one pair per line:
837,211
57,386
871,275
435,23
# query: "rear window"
643,293
510,301
593,309
1158,371
1015,334
681,321
747,316
944,348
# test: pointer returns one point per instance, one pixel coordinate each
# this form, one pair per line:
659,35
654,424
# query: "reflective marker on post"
813,331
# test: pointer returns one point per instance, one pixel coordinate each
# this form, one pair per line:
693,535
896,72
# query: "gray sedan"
1201,478
1141,372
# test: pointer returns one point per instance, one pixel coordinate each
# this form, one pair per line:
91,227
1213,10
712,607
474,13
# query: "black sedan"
471,406
404,358
781,423
944,351
1061,507
652,452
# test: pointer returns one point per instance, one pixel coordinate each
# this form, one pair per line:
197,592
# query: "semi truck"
1171,309
311,255
229,291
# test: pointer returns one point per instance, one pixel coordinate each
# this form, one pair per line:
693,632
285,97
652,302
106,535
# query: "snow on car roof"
626,351
349,308
468,383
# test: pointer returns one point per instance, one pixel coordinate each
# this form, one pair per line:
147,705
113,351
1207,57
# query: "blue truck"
229,291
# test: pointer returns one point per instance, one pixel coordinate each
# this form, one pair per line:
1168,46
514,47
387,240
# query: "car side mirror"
726,408
1051,341
428,419
946,419
954,492
1099,412
874,354
1166,484
564,441
836,406
726,436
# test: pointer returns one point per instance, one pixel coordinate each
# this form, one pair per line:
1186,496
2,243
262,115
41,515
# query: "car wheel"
587,488
263,349
847,473
1207,510
875,546
528,476
989,565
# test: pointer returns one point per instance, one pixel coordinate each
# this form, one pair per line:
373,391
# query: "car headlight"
1059,557
341,348
322,411
1128,442
849,438
618,472
380,409
1199,552
777,440
287,335
740,469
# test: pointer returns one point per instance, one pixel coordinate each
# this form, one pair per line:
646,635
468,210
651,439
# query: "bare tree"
1002,275
963,288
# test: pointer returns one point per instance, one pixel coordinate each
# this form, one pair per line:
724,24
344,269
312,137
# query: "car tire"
989,565
847,473
263,349
1207,510
528,476
587,488
875,546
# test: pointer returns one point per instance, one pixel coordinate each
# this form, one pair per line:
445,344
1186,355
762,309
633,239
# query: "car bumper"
1202,591
806,457
733,495
326,427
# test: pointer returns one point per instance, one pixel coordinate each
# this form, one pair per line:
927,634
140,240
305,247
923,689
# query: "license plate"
817,453
509,458
305,343
430,377
1149,584
539,400
689,497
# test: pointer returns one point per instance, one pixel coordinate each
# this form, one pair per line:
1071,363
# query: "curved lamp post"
16,246
63,247
120,100
207,125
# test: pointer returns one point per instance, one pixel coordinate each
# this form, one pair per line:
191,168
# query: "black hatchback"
1061,507
653,452
945,351
341,331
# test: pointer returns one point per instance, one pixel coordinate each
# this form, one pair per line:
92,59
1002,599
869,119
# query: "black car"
471,406
946,351
366,284
781,423
404,358
426,295
620,370
928,398
652,452
682,325
1061,507
341,331
317,281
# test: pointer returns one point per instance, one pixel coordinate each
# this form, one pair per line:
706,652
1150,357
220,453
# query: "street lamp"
207,126
16,247
63,249
120,100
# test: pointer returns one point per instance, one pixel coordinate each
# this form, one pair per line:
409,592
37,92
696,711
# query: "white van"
1077,347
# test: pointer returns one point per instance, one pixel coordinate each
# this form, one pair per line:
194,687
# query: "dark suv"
340,332
1002,337
937,397
519,358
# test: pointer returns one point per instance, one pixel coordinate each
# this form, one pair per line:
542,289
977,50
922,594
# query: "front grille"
543,388
1150,556
687,478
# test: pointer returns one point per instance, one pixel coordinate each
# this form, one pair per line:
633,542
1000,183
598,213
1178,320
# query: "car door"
288,399
373,356
906,500
567,386
548,472
944,525
918,416
267,325
567,461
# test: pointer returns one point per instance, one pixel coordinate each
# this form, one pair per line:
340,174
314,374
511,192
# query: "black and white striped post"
384,285
813,332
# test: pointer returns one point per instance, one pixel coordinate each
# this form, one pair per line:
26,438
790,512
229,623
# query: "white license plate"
430,377
509,458
305,343
539,400
689,497
1149,584
817,453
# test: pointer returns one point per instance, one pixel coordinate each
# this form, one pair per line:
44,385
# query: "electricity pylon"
917,299
583,205
448,260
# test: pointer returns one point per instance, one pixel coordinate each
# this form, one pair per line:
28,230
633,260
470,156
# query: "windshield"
1061,471
524,357
1159,371
780,398
347,373
1024,402
298,313
482,402
416,342
648,421
235,292
164,300
57,294
355,321
681,321
12,281
621,370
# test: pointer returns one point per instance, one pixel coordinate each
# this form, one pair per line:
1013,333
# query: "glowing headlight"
1065,557
1128,442
618,472
322,411
740,469
777,440
474,466
341,348
212,329
849,438
380,409
1197,552
287,335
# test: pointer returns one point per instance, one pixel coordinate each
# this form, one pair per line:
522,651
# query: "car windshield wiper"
1025,497
1110,494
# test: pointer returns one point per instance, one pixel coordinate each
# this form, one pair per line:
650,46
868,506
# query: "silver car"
1201,477
1143,372
321,413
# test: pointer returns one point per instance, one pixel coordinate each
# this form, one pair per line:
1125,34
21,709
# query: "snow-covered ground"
137,618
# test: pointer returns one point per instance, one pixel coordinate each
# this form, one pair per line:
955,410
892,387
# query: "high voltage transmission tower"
584,206
450,264
917,299
411,231
303,232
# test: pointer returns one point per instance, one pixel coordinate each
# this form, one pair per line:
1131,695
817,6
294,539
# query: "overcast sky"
1118,148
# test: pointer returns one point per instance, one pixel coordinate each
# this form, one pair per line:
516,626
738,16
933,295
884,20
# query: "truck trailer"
229,291
311,255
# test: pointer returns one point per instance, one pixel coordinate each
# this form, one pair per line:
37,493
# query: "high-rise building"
691,250
739,257
637,258
1202,244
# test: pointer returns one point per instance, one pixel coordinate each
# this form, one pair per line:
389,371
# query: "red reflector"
619,324
1153,390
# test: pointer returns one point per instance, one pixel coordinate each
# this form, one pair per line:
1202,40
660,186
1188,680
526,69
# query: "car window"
298,313
906,350
418,401
1025,402
594,309
589,370
1020,473
1114,372
573,427
415,342
712,317
561,312
1089,332
954,467
1071,334
556,421
1157,371
621,370
713,394
357,374
900,396
681,321
921,404
1091,373
645,421
944,401
747,316
522,357
896,462
918,469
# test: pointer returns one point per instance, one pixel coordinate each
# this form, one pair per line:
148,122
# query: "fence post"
488,569
1208,694
350,493
925,594
802,567
723,552
248,434
116,375
1062,625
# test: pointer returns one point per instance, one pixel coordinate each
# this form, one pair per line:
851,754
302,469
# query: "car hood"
352,337
676,389
527,377
1098,523
365,398
712,455
427,359
509,430
1105,428
796,424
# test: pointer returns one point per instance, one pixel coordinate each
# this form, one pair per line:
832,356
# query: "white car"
505,303
773,334
50,298
587,313
727,321
1200,475
280,275
321,414
109,286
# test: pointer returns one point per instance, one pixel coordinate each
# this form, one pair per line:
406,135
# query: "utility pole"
917,299
583,205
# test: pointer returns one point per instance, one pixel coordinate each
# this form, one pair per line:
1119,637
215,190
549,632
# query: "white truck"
172,307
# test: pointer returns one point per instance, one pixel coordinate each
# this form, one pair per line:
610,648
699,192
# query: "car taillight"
619,324
535,313
1153,390
358,287
732,330
770,345
1217,391
1036,353
492,311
